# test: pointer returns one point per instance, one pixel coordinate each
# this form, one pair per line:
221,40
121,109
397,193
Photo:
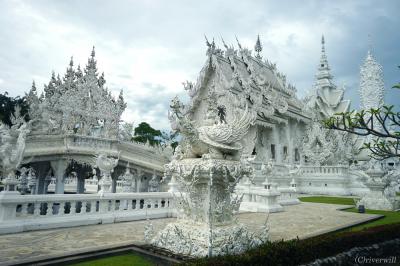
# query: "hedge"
295,252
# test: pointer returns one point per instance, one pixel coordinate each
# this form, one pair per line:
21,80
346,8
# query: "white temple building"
243,118
72,122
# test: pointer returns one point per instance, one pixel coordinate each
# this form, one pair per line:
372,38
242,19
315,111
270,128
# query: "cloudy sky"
148,48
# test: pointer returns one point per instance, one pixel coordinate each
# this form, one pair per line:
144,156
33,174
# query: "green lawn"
391,217
329,200
118,260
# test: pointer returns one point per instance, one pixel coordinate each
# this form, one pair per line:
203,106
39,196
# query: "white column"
138,180
59,168
278,146
290,150
80,185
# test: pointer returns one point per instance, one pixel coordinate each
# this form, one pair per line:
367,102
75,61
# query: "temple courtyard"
303,221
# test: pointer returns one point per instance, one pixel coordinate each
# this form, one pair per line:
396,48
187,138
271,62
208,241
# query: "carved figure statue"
218,140
106,166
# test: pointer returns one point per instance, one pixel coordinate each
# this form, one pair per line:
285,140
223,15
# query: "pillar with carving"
59,168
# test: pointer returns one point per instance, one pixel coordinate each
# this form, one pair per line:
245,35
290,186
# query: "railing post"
24,210
49,210
83,207
36,210
93,206
72,209
8,211
61,209
113,205
103,205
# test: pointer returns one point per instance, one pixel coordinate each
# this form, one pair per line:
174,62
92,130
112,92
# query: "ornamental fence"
19,213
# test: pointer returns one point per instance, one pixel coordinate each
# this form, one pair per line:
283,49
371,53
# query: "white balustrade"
91,185
20,213
324,170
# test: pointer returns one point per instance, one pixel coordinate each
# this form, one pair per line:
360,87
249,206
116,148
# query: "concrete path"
303,220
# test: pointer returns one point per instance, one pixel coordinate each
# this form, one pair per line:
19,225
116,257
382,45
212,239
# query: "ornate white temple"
303,156
249,144
72,122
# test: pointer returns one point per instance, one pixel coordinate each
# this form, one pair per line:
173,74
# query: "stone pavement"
303,220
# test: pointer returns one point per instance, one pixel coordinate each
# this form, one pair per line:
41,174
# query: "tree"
170,138
145,133
383,123
7,107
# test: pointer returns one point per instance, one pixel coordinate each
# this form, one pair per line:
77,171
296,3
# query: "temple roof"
326,97
252,78
77,103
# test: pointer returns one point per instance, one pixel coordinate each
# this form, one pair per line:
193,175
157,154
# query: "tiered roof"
327,99
77,103
250,78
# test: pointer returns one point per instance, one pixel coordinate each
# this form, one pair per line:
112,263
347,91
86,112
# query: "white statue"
12,147
32,180
207,165
106,166
127,181
381,184
154,184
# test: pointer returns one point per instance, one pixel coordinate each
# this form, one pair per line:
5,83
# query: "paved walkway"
303,220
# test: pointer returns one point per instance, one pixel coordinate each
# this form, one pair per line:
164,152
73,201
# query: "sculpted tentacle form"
12,154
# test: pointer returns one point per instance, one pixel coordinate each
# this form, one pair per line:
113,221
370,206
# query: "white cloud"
148,51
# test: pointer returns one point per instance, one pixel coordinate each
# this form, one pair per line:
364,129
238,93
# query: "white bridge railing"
324,170
20,213
91,185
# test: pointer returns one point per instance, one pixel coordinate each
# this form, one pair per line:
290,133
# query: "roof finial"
240,46
323,43
258,47
369,44
207,42
223,42
211,46
71,62
93,52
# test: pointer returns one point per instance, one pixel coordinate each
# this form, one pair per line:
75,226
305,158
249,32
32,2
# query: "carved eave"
298,116
279,120
263,123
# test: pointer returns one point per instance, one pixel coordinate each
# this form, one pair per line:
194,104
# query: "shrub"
295,252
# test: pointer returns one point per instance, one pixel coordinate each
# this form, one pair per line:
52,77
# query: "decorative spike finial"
369,45
258,47
323,74
240,46
211,46
207,42
93,52
223,42
71,62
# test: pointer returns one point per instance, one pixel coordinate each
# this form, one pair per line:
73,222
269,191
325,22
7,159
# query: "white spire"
323,76
372,88
326,97
258,47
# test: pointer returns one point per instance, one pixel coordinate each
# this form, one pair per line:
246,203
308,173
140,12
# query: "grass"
390,217
120,260
328,200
